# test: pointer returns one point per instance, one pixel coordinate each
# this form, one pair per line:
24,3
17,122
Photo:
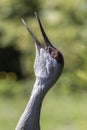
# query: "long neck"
31,115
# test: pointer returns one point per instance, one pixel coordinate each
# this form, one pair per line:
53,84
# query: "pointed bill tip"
23,20
47,41
29,30
35,13
37,43
25,24
37,17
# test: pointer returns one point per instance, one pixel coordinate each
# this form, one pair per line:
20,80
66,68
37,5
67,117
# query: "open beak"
46,40
49,47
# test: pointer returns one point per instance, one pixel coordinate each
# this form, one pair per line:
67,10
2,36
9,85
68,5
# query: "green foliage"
65,21
22,8
58,112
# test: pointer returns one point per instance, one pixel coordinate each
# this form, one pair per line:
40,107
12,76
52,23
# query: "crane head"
49,61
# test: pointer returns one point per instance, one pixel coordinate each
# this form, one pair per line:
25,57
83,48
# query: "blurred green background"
65,22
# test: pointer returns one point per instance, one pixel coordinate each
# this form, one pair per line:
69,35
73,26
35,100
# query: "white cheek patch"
49,66
44,65
40,64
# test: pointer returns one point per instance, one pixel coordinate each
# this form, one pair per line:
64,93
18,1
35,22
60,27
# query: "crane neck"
31,115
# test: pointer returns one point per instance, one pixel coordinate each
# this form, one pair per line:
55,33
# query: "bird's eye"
55,54
58,56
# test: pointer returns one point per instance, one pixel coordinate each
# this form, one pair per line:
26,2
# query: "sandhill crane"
48,66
